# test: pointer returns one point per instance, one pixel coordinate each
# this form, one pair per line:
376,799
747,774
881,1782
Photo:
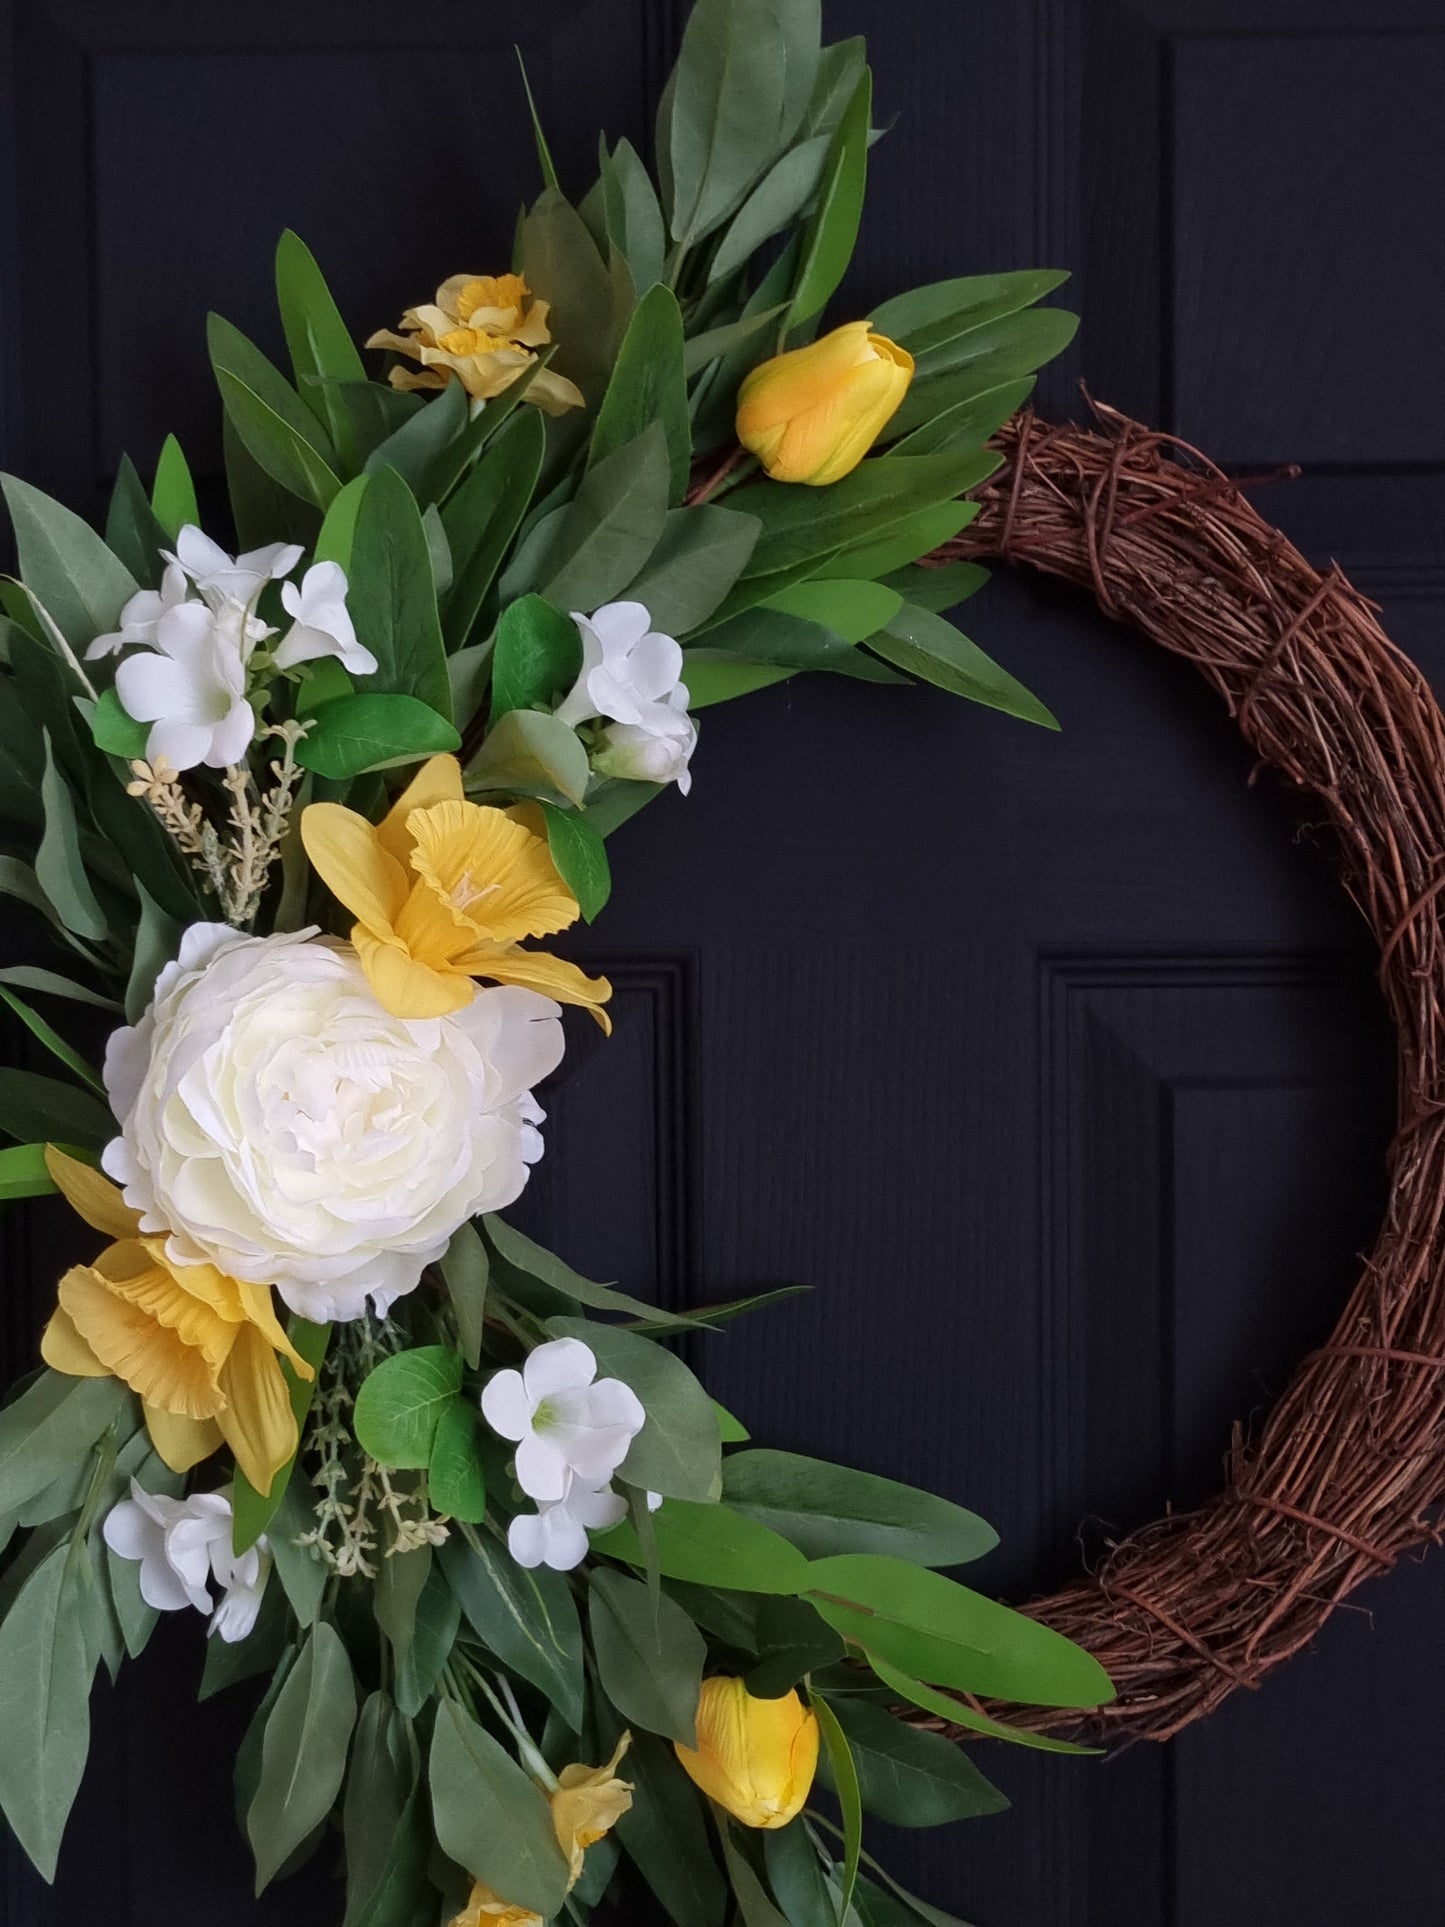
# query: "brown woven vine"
1348,1469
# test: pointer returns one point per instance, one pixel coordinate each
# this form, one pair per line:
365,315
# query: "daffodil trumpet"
202,1351
442,891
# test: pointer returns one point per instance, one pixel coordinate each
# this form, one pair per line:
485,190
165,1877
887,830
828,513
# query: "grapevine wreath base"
1345,1474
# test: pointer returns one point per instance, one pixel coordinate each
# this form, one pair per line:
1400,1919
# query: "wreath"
525,1601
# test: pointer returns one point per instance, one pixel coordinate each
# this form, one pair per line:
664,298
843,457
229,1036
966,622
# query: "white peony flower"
222,578
192,687
555,1534
567,1422
139,617
279,1124
322,625
181,1545
632,675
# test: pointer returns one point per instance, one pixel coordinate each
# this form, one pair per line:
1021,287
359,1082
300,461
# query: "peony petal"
181,1442
257,1421
506,1406
348,856
560,1365
90,1194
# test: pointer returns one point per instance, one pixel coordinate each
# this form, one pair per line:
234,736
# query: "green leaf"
938,587
379,1785
755,1908
610,527
649,1655
322,351
484,514
65,565
262,509
400,1405
927,1625
715,677
338,533
775,203
527,1618
948,1708
726,110
131,529
845,1785
115,732
734,1432
227,1664
789,642
910,1777
49,983
302,1571
735,339
634,219
699,556
894,1906
833,230
23,1172
665,1834
927,319
173,493
35,1107
44,1708
457,1484
529,754
59,866
544,155
562,266
648,384
435,1633
825,1509
419,448
678,1452
401,1579
279,431
980,362
711,1545
464,1273
491,1817
929,647
795,1874
850,609
303,1755
967,424
52,1040
157,941
840,67
793,1639
358,733
580,857
919,535
391,594
801,524
253,1511
537,655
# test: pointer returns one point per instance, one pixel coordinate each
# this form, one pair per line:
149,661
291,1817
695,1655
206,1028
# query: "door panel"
1052,1063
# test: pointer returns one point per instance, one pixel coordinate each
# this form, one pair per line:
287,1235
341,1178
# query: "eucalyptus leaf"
928,646
418,449
648,384
65,565
464,1273
300,1568
796,1876
711,1545
563,267
303,1754
380,1781
908,1776
713,676
980,362
919,535
649,1654
824,1509
52,1040
173,493
391,594
491,1817
725,112
845,1784
700,554
484,514
526,1617
777,200
793,1639
434,1634
665,1834
23,1172
611,526
400,1580
928,319
280,433
847,608
59,866
323,354
946,1707
771,635
634,220
36,1107
966,424
529,754
833,230
132,532
44,1708
937,587
157,941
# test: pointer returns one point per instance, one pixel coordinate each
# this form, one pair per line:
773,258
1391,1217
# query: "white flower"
322,625
182,1544
140,615
555,1534
279,1124
222,578
192,687
657,749
567,1422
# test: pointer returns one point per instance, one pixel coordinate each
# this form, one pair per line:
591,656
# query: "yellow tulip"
442,889
754,1757
199,1348
812,415
483,329
586,1803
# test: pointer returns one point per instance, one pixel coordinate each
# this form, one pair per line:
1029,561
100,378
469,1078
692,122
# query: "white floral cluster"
632,676
184,1544
192,675
572,1431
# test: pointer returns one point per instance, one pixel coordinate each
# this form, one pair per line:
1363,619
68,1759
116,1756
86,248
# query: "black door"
1053,1063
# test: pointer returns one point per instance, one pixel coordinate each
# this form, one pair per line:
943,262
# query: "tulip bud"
754,1757
812,415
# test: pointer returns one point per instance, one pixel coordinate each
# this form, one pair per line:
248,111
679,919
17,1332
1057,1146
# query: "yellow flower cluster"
484,330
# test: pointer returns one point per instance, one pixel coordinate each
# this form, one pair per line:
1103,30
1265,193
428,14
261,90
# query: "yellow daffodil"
586,1803
813,414
442,890
198,1348
754,1757
484,329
